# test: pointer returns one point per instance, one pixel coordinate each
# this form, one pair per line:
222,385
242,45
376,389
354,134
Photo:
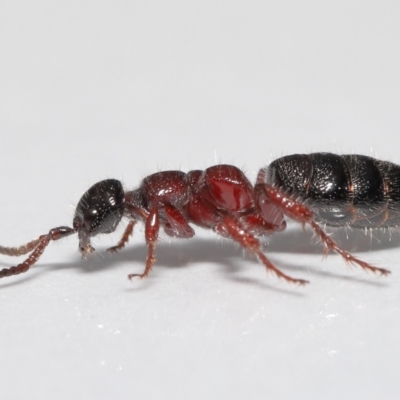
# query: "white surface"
98,90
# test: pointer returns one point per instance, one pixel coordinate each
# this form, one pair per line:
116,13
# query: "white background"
95,90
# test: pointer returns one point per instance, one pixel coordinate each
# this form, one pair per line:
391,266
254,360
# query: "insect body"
349,190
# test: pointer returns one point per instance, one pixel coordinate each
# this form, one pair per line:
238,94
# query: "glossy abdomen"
342,190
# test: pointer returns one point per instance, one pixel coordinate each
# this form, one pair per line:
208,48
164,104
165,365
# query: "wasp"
314,190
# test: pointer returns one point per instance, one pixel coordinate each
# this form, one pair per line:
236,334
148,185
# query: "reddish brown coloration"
220,198
38,246
125,238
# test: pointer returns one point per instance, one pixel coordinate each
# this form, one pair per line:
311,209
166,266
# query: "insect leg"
177,225
152,227
124,239
232,228
302,214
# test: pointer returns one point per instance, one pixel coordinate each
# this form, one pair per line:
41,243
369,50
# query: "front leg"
152,227
125,238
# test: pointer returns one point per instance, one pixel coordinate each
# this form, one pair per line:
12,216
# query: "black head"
99,210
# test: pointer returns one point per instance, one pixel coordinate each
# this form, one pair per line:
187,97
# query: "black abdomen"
352,190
